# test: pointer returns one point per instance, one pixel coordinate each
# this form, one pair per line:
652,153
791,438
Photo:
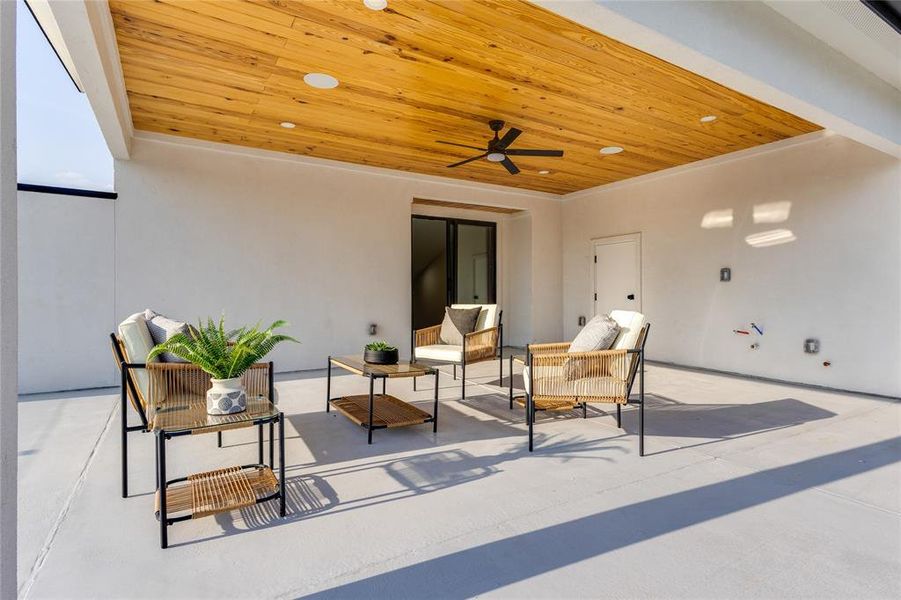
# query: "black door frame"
450,238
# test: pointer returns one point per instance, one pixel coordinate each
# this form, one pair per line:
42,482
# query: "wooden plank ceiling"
420,71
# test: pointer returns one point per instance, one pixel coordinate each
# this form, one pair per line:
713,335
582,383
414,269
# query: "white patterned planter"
227,396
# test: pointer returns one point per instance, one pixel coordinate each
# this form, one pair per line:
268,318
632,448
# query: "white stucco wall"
66,285
200,231
196,231
838,281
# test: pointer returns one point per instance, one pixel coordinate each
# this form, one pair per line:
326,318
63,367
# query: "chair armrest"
547,348
426,336
481,345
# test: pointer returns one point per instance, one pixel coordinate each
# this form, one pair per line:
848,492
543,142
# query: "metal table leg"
281,464
328,386
260,443
371,385
161,465
435,413
271,445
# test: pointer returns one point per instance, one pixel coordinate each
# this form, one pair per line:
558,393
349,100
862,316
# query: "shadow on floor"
523,556
715,423
333,438
665,417
311,495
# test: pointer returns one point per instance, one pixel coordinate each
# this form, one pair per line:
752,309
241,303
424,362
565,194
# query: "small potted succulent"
380,353
225,355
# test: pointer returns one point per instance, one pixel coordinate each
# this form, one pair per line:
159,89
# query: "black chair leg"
219,438
641,406
619,416
530,418
584,410
455,372
641,429
463,381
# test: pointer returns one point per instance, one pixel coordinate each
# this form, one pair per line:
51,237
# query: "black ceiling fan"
498,149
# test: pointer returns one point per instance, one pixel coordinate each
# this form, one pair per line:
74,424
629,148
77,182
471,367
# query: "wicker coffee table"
380,411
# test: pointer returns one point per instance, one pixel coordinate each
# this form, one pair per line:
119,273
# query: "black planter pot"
380,357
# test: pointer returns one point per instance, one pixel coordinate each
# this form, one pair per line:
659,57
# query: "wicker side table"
203,494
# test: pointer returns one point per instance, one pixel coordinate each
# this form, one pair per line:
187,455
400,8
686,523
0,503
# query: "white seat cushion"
137,341
445,352
488,316
631,323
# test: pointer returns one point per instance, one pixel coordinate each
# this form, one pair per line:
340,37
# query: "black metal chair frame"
500,355
637,368
127,385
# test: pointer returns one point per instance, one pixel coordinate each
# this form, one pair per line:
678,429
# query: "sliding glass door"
453,261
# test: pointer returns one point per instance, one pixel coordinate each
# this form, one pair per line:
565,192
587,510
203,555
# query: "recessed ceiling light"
611,150
543,172
376,4
708,119
287,125
321,81
496,156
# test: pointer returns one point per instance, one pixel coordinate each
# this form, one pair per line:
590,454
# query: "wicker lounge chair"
485,343
150,386
559,380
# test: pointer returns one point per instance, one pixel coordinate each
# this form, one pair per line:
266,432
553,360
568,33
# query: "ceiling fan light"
376,4
611,150
496,156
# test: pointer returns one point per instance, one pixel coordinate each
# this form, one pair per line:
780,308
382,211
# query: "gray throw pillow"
162,328
457,323
598,334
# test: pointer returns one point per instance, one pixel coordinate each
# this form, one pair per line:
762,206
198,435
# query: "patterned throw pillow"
598,334
457,323
162,328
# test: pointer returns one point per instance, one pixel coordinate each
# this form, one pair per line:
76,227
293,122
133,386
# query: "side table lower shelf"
205,494
387,411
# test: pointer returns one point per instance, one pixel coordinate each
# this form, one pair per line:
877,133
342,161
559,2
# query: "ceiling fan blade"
463,162
532,152
510,166
508,138
461,145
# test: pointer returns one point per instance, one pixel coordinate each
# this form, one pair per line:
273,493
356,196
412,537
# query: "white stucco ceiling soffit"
84,37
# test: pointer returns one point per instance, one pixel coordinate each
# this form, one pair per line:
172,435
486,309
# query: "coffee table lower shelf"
387,411
205,494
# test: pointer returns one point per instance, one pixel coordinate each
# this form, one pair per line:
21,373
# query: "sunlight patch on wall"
772,212
773,237
717,219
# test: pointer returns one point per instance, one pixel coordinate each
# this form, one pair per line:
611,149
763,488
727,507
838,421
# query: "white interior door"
617,273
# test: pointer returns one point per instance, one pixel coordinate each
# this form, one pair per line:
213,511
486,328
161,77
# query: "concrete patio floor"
750,489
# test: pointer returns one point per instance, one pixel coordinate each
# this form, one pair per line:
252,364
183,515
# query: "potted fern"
380,353
225,355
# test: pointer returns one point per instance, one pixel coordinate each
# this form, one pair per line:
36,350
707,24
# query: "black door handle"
630,297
